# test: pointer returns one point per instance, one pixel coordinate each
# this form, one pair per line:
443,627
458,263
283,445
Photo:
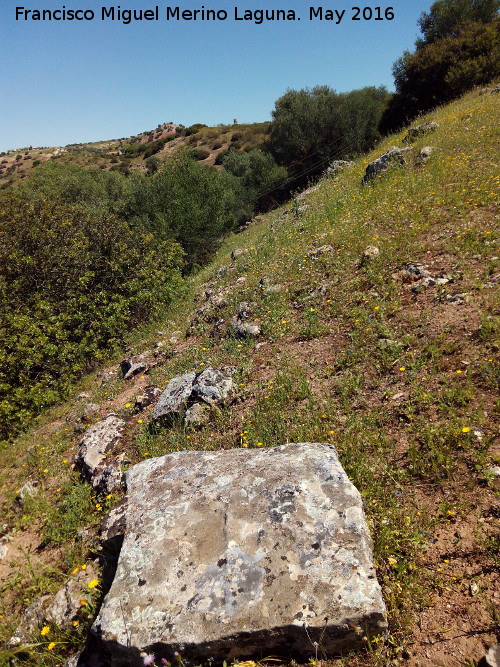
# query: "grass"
413,419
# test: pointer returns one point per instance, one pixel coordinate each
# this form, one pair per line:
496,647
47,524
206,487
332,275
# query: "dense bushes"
188,202
459,49
73,281
310,128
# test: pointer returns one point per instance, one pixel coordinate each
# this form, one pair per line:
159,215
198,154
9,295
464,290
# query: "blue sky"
77,81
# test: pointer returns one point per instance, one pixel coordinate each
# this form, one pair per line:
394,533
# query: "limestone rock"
425,153
394,156
113,524
196,415
33,618
96,443
64,608
27,490
149,396
173,401
133,366
247,329
241,553
419,131
213,386
336,166
322,250
492,658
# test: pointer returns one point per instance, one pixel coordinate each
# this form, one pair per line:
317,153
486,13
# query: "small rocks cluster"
336,166
420,276
241,325
393,157
187,396
60,610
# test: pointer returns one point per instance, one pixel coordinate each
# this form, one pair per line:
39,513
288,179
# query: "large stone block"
242,553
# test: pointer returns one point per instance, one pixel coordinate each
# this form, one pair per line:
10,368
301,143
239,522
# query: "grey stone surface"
131,367
113,524
213,386
27,490
393,157
322,250
97,442
237,553
246,329
196,415
173,401
33,618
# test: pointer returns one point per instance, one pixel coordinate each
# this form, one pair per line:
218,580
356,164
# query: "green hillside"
379,311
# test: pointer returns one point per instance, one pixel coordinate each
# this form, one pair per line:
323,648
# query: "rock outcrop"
213,386
241,553
391,158
93,450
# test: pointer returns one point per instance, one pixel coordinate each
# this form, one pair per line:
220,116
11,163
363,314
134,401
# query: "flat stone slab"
242,553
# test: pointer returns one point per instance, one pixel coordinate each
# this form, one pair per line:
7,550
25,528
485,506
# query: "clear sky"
78,81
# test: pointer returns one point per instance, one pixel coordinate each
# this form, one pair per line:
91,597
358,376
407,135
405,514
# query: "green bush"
73,282
198,154
443,70
310,128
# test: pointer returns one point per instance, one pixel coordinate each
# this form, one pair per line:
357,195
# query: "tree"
446,18
443,70
310,128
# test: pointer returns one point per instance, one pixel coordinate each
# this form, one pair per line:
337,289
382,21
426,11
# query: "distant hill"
130,153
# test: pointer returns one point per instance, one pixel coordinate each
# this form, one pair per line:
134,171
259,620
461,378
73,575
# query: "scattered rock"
247,329
196,415
213,386
4,541
245,310
272,289
133,366
457,299
64,607
493,656
336,166
323,250
82,395
28,490
424,154
369,253
419,131
98,441
242,553
238,252
301,209
149,396
393,157
173,400
494,471
33,618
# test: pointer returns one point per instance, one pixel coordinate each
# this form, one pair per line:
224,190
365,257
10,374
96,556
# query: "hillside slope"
390,354
130,154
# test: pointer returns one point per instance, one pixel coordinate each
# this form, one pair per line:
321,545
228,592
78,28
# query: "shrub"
443,70
67,296
198,154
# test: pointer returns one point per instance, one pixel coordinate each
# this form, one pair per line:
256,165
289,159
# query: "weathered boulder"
238,252
196,415
241,553
246,329
393,157
27,490
60,610
98,441
424,154
213,386
173,401
133,366
149,396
